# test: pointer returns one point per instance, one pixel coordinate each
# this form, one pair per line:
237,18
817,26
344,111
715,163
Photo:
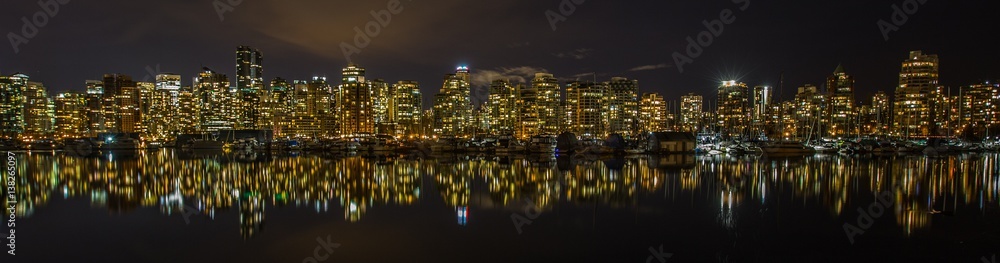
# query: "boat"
120,144
787,147
204,144
344,146
594,146
445,144
381,143
42,145
542,144
509,144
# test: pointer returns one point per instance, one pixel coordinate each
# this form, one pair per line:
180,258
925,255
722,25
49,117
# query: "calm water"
172,206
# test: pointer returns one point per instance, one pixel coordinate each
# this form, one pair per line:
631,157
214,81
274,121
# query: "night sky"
299,39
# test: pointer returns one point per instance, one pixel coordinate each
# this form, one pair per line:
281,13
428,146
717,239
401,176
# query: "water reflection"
207,182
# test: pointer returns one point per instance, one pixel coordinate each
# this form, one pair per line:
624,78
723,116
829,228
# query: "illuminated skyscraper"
162,118
146,92
408,106
38,111
189,105
980,108
320,100
218,103
12,105
529,123
652,113
120,103
250,85
71,115
503,107
548,97
356,103
452,104
841,105
383,106
762,98
282,106
881,109
586,104
809,113
733,116
95,111
623,105
691,112
918,83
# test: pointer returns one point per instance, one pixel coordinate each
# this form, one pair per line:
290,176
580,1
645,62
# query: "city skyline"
399,52
364,106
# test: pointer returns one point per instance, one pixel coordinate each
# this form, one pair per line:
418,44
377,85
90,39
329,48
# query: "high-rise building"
548,97
356,103
503,108
453,106
841,105
383,106
71,115
408,106
12,105
733,116
218,104
692,106
120,103
762,99
810,108
96,122
529,121
915,96
189,106
146,92
161,118
623,106
38,111
586,104
282,106
980,108
320,98
882,110
652,113
250,85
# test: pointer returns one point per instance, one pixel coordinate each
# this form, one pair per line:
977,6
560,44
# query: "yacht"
594,146
381,143
120,144
445,144
787,148
509,144
542,144
204,144
344,146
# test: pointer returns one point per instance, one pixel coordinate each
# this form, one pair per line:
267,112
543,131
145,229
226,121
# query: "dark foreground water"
168,206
